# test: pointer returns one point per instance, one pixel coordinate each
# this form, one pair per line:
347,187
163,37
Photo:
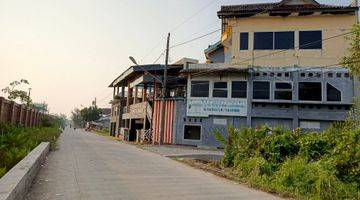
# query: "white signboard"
203,107
309,125
218,121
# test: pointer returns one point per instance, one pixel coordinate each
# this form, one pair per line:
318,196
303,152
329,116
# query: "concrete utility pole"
164,93
28,102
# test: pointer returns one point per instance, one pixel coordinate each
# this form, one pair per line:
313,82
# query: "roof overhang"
218,68
283,8
134,69
147,78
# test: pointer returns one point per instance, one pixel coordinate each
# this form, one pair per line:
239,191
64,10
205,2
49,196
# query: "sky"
71,50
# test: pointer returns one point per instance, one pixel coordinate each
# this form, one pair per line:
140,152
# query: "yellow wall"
332,52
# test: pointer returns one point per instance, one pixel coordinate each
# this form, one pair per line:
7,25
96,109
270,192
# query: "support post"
163,94
249,98
2,99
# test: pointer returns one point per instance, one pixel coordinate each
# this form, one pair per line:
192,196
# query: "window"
220,89
238,89
310,40
261,90
192,132
274,40
283,91
285,40
333,94
310,91
200,88
244,41
263,40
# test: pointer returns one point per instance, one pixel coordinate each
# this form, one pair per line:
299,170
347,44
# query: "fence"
11,112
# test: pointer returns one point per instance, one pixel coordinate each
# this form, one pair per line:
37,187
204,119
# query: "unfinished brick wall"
11,112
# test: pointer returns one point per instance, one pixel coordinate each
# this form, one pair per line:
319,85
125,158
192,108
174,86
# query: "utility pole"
28,101
164,94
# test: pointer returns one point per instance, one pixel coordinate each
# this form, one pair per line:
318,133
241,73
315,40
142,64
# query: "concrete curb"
15,183
204,156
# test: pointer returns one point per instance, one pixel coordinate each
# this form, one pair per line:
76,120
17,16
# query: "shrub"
279,146
305,165
17,142
345,156
2,171
241,144
295,176
314,146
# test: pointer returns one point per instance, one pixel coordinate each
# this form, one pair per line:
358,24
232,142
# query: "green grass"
17,142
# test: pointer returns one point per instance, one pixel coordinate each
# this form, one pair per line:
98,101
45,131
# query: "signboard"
218,121
203,107
137,111
309,125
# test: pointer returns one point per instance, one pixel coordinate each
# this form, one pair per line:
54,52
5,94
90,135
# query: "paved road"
88,166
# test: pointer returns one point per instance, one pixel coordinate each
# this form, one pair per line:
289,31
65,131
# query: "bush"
279,146
241,144
314,146
303,165
17,142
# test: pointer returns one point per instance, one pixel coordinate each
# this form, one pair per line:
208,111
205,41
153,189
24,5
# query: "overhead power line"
192,16
199,37
178,26
277,52
157,59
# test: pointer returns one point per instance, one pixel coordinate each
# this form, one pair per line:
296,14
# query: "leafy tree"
42,107
76,118
91,113
352,59
17,94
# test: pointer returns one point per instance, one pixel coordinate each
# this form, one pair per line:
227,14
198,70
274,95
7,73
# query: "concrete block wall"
13,113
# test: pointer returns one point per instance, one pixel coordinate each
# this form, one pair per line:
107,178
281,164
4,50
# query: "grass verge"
17,142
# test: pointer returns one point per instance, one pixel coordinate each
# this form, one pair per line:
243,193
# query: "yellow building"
288,33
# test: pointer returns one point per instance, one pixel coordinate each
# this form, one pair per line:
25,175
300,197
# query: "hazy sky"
71,50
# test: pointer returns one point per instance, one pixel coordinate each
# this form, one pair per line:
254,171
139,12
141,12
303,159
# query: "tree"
76,118
17,94
41,107
91,113
352,61
352,58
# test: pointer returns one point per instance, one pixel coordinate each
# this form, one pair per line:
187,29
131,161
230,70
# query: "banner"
203,107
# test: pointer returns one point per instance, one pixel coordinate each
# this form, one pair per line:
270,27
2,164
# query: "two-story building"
134,95
277,64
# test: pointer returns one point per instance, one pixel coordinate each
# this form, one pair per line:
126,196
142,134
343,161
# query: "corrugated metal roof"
248,9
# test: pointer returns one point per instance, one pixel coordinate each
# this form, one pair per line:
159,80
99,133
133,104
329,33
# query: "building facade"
278,64
135,93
